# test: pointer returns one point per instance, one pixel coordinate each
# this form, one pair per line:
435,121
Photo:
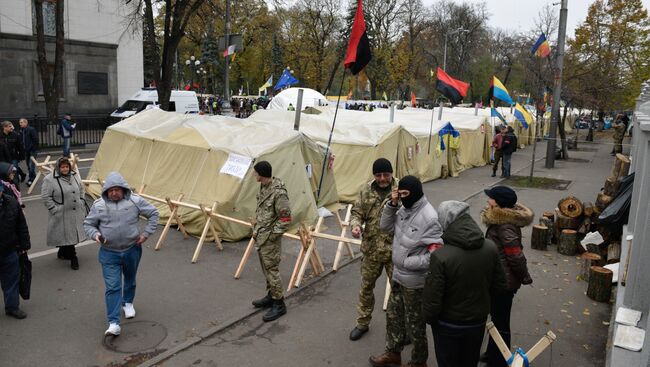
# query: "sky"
519,15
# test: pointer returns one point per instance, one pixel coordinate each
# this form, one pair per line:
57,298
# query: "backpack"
59,129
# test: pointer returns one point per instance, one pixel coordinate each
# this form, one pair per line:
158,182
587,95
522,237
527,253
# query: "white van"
181,101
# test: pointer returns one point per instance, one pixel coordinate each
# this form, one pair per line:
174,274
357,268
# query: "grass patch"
538,182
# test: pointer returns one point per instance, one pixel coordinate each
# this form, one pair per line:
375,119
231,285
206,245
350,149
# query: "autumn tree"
51,76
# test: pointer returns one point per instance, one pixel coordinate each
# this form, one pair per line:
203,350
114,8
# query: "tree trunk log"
564,222
614,252
549,215
539,239
585,226
611,186
588,209
588,260
550,235
602,201
621,166
567,245
600,284
570,206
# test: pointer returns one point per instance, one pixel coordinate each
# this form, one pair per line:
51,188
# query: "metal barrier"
89,130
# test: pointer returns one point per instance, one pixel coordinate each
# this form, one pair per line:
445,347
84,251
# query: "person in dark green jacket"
463,275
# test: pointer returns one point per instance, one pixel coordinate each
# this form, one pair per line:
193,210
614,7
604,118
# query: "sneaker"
129,311
16,314
113,329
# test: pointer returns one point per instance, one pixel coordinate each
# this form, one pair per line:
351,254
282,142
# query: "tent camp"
355,145
210,159
310,98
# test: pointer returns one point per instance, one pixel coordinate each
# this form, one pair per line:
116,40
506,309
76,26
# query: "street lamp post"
193,63
444,59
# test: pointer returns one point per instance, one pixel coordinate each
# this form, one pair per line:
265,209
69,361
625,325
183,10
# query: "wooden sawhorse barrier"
519,358
345,224
47,166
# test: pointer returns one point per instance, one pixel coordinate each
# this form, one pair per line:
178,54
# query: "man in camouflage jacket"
619,134
376,245
272,219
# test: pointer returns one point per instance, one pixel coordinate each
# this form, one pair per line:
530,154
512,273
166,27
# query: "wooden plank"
542,344
244,259
204,234
336,238
173,208
344,229
217,240
41,172
498,340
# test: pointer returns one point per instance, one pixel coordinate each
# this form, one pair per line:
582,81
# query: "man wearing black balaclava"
416,233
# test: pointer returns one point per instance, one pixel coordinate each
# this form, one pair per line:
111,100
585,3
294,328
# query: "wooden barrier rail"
47,166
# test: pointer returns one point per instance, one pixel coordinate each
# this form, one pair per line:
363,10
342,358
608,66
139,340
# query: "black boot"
263,302
74,263
60,254
278,309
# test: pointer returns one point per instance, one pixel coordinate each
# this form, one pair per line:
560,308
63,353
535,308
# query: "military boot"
278,309
388,359
263,302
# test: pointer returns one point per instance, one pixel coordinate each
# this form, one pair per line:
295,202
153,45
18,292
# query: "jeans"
114,265
507,159
31,167
66,146
456,345
9,275
500,308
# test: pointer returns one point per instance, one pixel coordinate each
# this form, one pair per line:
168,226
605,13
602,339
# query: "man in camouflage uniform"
619,134
272,219
376,245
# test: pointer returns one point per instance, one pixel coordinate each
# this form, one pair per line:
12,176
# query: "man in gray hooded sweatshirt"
113,223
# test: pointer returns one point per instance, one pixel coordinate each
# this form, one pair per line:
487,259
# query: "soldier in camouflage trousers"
376,245
272,219
619,134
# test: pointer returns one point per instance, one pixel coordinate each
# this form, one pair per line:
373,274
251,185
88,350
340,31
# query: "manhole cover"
137,336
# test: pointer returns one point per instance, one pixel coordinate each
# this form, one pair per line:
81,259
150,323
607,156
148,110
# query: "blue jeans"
66,146
9,275
31,167
114,265
507,159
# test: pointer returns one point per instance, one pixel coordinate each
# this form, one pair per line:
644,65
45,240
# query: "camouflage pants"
269,253
618,145
371,268
404,315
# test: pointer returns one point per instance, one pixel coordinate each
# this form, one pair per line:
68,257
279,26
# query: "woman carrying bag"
63,196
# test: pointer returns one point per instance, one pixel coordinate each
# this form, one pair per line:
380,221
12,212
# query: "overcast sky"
520,15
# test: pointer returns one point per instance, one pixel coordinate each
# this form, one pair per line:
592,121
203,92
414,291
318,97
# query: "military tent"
310,98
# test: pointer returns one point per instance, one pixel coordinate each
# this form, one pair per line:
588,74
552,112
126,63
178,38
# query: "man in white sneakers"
113,223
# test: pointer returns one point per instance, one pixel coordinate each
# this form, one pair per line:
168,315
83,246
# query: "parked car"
181,101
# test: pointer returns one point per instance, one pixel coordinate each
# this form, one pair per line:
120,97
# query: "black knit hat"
503,195
264,169
382,165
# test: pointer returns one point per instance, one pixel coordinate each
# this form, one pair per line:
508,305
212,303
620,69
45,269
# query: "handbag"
25,280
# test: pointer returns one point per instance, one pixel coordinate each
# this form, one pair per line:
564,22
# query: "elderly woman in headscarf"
7,176
63,196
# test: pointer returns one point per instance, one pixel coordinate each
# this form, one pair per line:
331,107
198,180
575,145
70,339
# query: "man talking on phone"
113,223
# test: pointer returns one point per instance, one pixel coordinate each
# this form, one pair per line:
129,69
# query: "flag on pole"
413,99
286,80
495,113
523,116
358,54
451,88
268,84
541,48
385,96
454,136
499,91
229,51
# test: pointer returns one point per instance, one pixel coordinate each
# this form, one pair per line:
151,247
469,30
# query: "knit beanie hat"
414,185
264,169
382,165
503,195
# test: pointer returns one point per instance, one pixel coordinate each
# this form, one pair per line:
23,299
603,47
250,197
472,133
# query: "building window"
49,18
92,83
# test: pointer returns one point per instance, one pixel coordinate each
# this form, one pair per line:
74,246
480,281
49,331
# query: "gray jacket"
118,221
64,199
414,230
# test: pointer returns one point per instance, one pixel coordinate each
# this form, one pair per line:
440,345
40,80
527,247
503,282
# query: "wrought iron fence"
89,129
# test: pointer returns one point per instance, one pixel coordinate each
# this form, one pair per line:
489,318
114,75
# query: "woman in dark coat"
504,218
63,196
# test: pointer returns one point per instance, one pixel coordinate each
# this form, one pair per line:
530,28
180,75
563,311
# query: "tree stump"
602,201
568,243
621,166
588,209
611,186
538,240
564,222
614,252
570,206
550,234
600,284
549,215
593,248
585,226
588,260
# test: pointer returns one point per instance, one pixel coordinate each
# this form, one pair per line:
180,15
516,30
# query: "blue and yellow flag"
499,91
495,113
454,136
523,116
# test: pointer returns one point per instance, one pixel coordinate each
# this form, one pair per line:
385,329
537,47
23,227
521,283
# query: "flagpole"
329,140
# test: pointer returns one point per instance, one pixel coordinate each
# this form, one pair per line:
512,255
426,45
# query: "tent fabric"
173,154
310,98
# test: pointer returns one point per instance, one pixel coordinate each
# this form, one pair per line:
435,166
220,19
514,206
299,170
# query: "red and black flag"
358,54
451,88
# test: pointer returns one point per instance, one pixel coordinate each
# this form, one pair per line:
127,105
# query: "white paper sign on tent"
236,165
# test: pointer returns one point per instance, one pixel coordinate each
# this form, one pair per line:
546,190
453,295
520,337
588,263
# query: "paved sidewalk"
188,302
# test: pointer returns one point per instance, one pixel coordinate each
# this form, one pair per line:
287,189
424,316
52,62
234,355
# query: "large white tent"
310,98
